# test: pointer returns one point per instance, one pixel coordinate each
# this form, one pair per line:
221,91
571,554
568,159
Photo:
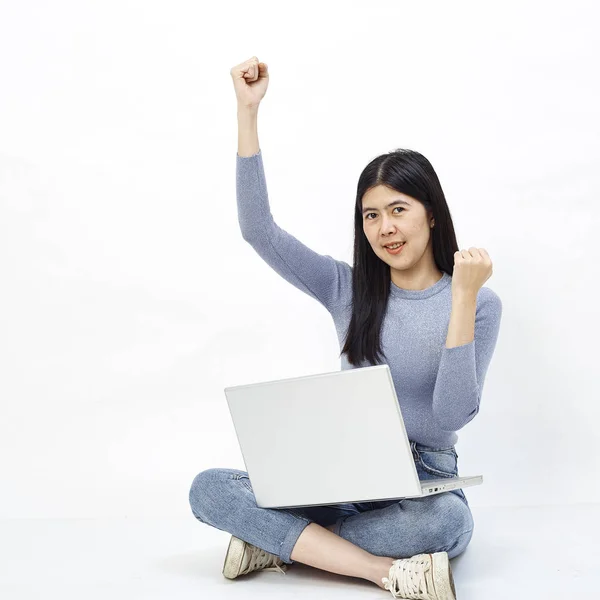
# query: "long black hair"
410,173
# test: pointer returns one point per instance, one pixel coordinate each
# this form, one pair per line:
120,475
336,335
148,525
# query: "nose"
387,228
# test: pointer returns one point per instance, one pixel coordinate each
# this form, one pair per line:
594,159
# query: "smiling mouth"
395,251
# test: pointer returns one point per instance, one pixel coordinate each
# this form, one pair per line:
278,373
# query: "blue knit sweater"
439,389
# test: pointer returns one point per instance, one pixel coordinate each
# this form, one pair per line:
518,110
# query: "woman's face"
406,222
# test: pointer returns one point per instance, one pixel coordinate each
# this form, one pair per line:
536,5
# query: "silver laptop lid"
324,439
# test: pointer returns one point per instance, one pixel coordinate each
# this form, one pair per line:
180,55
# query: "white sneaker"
242,558
421,577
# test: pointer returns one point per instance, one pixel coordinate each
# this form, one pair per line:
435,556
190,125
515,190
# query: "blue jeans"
223,498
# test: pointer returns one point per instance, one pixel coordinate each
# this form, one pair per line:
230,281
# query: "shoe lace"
261,559
407,577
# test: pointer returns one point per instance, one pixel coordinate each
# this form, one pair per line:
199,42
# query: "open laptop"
329,438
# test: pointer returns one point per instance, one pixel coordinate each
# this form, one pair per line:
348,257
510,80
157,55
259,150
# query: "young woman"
421,309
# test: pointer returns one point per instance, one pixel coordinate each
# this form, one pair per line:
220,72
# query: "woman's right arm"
322,277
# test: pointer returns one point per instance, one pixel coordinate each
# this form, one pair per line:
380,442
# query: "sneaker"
424,577
242,558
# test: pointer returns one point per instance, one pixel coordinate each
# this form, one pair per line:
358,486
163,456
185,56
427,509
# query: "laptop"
328,438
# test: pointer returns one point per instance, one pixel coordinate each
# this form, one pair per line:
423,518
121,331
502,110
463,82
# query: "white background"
130,300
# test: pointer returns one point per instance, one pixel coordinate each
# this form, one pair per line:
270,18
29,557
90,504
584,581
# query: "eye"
368,214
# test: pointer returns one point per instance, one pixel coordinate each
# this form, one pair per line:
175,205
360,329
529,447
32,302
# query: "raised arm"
320,276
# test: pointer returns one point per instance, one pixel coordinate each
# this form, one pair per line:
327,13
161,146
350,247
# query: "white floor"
543,552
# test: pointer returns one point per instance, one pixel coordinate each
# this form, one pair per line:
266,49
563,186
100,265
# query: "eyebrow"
394,203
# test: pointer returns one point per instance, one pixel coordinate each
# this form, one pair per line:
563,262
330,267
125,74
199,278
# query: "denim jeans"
223,498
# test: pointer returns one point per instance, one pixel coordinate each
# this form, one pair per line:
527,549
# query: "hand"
472,268
250,80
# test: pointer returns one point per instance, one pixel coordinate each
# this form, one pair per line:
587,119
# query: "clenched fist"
472,268
250,80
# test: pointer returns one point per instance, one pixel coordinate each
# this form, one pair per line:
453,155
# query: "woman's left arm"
472,334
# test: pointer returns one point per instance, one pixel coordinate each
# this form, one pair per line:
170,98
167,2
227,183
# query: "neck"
416,280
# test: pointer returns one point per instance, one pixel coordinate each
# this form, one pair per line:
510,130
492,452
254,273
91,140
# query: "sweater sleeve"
320,276
462,369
